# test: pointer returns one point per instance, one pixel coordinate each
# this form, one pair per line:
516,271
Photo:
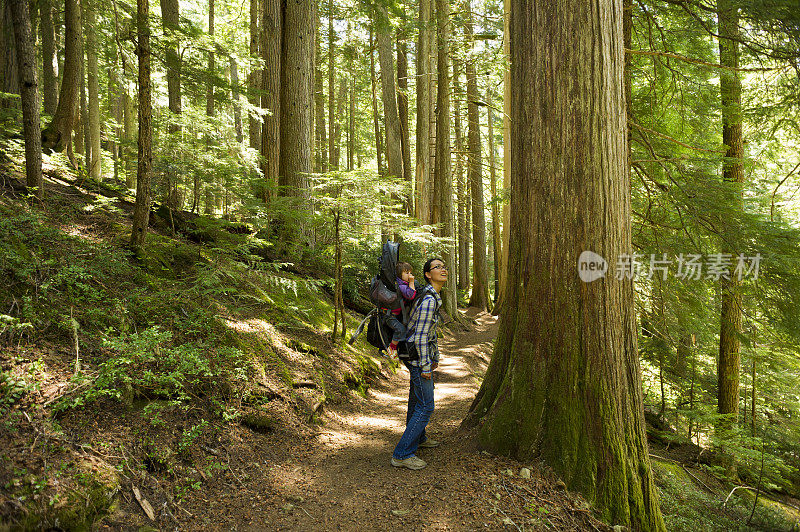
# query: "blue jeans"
397,326
420,408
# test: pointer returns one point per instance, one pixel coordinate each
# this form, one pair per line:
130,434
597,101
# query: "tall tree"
321,136
170,18
402,111
729,363
422,187
94,162
144,169
9,71
254,76
333,163
504,250
271,46
57,133
237,110
394,151
297,96
564,381
462,193
375,117
49,59
29,92
480,276
443,215
493,190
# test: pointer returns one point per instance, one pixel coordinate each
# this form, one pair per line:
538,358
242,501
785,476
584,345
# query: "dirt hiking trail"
339,477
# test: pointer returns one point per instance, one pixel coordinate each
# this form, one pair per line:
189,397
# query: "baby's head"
403,270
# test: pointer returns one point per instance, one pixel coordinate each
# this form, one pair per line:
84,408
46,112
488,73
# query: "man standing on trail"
422,338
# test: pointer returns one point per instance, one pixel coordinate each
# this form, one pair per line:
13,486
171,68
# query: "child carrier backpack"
384,295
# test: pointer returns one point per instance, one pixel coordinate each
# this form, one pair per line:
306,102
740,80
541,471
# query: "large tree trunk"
297,98
495,210
733,171
237,110
83,143
128,112
564,382
29,89
49,60
94,163
321,136
442,171
254,77
375,116
498,307
480,277
333,163
394,151
422,187
272,43
9,70
141,211
56,135
462,191
402,110
170,17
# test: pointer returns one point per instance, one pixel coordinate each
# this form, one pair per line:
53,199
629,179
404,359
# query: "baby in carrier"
405,286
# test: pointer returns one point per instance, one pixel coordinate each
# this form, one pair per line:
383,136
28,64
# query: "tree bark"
333,163
321,135
442,170
402,110
29,92
297,97
141,212
728,367
170,17
94,162
422,205
498,307
496,243
462,191
83,142
237,111
272,44
375,116
564,381
57,133
49,59
254,77
394,152
9,80
480,277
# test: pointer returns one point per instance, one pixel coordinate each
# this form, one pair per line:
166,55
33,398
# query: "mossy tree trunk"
57,133
564,383
141,212
729,363
29,89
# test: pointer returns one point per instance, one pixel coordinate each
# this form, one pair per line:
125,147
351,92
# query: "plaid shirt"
423,327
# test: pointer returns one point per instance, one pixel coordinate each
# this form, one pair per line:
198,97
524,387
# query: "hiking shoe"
412,462
429,444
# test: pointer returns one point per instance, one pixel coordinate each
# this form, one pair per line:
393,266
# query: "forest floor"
338,476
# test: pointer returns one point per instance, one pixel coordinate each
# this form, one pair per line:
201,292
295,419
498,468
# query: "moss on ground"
687,506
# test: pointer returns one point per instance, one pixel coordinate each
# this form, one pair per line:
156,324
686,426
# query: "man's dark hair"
427,268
